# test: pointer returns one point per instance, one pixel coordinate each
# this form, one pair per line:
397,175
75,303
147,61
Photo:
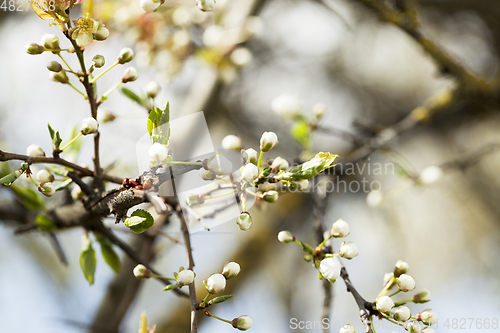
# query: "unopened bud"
244,221
384,304
34,48
89,126
428,317
340,229
50,42
130,74
150,5
402,313
348,250
215,283
423,296
126,55
330,269
98,61
59,77
412,327
285,236
34,151
401,268
206,5
142,272
185,277
249,172
43,176
242,323
270,196
105,116
268,141
347,329
46,189
54,66
406,282
249,155
231,142
280,163
231,269
102,33
152,89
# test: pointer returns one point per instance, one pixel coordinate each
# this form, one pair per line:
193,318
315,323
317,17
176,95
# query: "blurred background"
368,74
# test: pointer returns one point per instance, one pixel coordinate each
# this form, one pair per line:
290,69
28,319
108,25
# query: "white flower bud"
150,5
406,282
59,77
401,268
206,5
231,142
249,155
46,189
76,193
249,172
215,283
286,237
268,141
141,272
105,116
126,55
54,66
402,313
340,229
280,163
207,174
423,296
220,165
270,196
158,154
102,33
347,329
34,48
385,304
428,317
129,74
330,269
43,176
412,327
50,41
428,330
244,221
231,269
89,126
242,323
34,151
98,61
185,277
318,110
287,105
431,174
388,277
152,89
348,250
374,199
241,56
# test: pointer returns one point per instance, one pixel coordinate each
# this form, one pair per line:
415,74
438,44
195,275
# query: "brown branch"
407,20
6,156
319,212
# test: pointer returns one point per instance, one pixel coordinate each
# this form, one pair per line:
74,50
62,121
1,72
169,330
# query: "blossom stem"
395,293
220,195
81,93
69,67
391,320
224,320
71,142
162,277
260,159
111,90
399,303
387,287
320,246
34,182
205,300
254,194
186,163
98,76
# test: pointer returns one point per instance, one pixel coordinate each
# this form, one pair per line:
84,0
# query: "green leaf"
219,299
58,170
139,225
141,100
108,254
51,131
87,259
301,132
10,178
44,223
170,287
64,184
29,197
158,125
309,169
143,327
